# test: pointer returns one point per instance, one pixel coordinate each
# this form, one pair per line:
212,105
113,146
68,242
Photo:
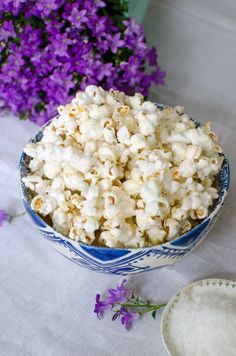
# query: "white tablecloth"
46,301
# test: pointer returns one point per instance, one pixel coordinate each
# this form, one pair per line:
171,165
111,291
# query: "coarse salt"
202,322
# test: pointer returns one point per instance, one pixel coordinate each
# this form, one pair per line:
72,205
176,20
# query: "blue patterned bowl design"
125,261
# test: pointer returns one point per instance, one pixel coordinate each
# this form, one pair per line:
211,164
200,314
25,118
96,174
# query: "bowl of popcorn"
121,185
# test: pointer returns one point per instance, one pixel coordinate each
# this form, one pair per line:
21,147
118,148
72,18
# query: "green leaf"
154,314
125,5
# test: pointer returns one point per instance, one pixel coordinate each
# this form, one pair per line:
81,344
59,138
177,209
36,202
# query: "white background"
46,301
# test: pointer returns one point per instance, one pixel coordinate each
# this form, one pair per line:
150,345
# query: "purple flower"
60,45
152,56
125,306
117,295
132,27
39,118
7,30
116,315
127,318
47,6
16,5
158,76
77,18
16,61
115,42
100,3
100,306
57,47
104,70
3,217
100,26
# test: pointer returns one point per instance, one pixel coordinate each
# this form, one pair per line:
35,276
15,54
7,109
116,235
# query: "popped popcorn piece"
115,170
51,170
123,135
172,227
44,205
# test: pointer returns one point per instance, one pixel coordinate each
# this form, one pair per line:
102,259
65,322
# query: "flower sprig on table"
125,306
49,49
4,216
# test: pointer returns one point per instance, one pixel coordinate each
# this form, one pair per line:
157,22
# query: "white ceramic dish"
210,283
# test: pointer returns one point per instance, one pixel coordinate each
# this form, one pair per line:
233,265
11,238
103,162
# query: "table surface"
46,301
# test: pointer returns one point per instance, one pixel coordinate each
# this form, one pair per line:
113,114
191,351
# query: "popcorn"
123,135
58,184
97,112
90,147
156,235
137,142
72,179
107,153
146,126
43,205
193,152
187,168
32,181
31,150
109,134
35,165
123,110
77,234
89,209
107,239
116,171
60,221
179,151
172,227
51,170
90,130
150,191
160,207
131,186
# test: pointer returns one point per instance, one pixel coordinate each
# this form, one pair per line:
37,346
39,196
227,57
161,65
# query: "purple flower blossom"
116,315
158,76
3,216
152,56
77,18
125,306
47,6
16,5
100,3
117,295
100,27
132,27
115,42
127,318
104,70
100,306
52,48
60,45
7,31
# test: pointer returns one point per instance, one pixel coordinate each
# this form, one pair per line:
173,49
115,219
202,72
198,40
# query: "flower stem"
16,215
157,307
19,214
137,305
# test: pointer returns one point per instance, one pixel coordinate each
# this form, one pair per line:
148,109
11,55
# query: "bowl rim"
174,299
215,207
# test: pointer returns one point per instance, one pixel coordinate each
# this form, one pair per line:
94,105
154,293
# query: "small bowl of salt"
201,320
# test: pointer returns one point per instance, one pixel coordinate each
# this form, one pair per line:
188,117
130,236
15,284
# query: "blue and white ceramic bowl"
128,260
